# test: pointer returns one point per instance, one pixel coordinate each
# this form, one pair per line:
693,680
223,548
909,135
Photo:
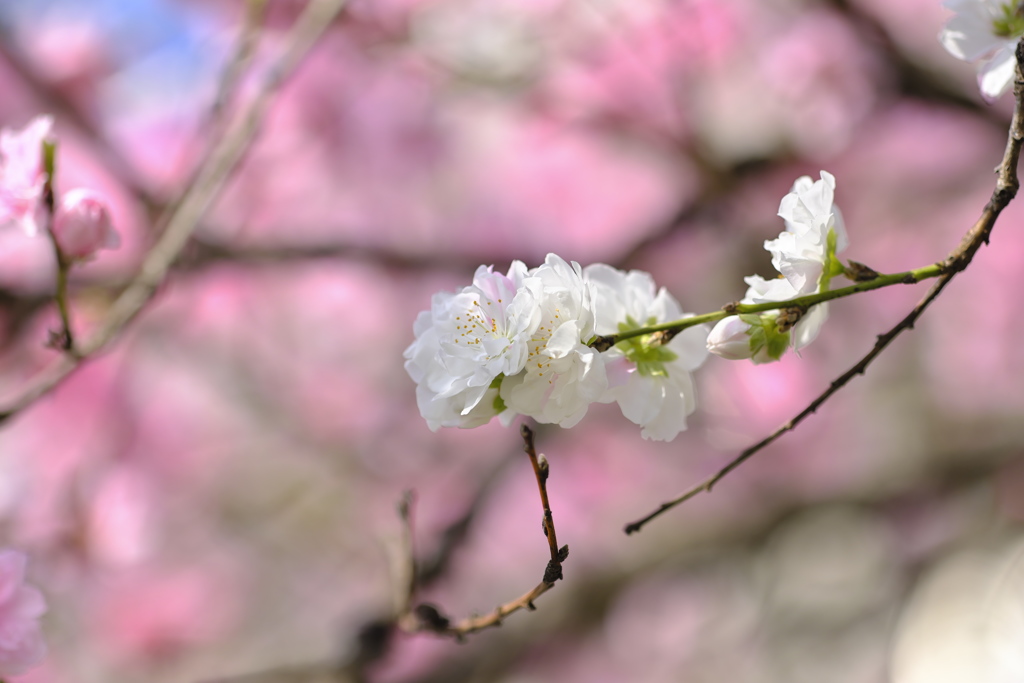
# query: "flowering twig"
427,617
54,100
909,277
240,60
1007,184
182,220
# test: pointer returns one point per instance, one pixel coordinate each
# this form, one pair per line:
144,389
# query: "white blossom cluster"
986,31
520,343
517,344
805,256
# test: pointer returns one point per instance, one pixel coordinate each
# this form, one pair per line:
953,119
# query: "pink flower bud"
82,226
730,339
21,645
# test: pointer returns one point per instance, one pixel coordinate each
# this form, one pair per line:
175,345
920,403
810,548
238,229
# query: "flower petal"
996,75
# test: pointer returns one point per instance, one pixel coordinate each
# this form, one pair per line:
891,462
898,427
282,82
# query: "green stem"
906,278
67,341
62,300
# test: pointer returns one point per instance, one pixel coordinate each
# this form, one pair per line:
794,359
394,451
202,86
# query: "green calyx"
648,352
499,405
833,266
765,337
1010,24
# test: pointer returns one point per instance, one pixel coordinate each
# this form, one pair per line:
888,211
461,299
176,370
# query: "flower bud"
730,339
82,226
756,337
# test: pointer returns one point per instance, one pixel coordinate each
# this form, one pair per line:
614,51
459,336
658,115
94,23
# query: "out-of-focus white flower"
21,173
562,375
986,30
21,640
649,380
467,342
82,225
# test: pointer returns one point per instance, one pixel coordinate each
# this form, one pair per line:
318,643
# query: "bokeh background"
215,496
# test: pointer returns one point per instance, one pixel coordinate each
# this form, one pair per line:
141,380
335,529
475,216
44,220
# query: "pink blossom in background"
257,414
631,66
149,616
21,173
27,263
121,512
21,639
82,225
803,86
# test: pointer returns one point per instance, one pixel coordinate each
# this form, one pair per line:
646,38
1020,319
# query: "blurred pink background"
216,495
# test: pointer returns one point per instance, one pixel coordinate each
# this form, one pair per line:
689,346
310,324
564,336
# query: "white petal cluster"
562,375
467,341
518,344
804,255
986,30
650,381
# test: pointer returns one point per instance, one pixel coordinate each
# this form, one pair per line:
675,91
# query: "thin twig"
237,64
430,569
406,508
427,617
541,470
1006,188
64,339
222,159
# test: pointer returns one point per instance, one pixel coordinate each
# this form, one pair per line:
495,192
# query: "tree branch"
426,617
182,220
1006,188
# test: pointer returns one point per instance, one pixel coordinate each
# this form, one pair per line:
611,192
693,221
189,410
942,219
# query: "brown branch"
223,157
239,61
426,617
429,570
408,583
1006,188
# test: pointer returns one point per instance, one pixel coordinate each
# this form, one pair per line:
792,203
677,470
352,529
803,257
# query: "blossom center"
480,325
648,351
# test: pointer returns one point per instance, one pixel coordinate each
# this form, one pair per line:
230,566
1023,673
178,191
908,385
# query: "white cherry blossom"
985,30
805,256
467,342
562,375
802,252
651,382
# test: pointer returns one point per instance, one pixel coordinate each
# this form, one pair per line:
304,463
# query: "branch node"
553,572
430,618
858,272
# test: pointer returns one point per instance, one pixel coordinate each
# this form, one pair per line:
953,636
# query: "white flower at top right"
986,30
